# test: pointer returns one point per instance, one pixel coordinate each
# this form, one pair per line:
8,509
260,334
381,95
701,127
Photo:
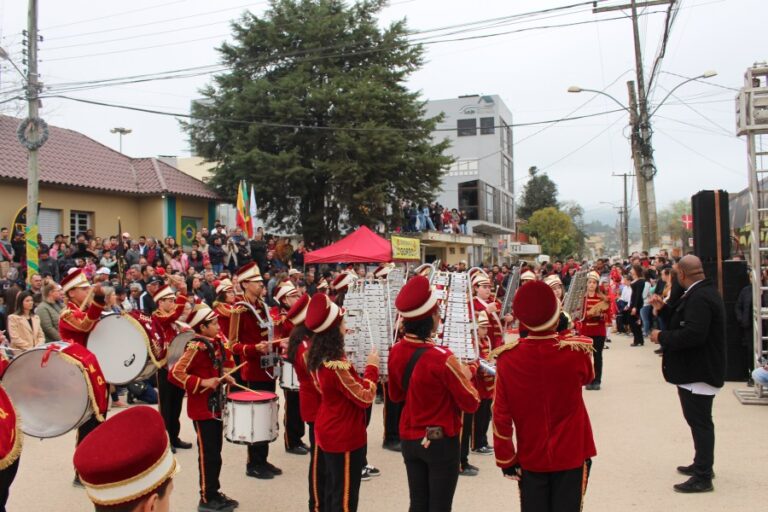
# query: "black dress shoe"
394,446
689,471
228,501
297,450
217,504
182,445
173,449
260,472
469,470
273,469
636,345
76,482
659,351
694,485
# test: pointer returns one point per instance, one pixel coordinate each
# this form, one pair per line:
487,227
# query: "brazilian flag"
189,227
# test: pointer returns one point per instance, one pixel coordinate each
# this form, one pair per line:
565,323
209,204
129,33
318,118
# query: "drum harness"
271,360
216,400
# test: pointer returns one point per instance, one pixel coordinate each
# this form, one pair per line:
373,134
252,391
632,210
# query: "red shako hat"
116,470
298,312
536,307
416,300
343,281
322,314
163,292
75,279
249,272
199,314
383,270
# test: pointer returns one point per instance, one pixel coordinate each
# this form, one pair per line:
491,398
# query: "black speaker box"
735,277
704,206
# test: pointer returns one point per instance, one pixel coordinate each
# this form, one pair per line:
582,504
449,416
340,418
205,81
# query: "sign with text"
404,248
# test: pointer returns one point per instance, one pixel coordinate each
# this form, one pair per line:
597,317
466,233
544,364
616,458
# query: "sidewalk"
639,429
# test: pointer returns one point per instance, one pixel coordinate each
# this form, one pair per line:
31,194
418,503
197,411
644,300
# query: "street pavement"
639,429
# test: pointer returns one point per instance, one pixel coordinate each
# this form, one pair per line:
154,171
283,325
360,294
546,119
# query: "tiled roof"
71,159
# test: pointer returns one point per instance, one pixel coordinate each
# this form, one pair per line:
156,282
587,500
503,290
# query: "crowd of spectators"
433,217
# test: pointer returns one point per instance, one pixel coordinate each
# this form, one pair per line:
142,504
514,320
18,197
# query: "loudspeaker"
710,217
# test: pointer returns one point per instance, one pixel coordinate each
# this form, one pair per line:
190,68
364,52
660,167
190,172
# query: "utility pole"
624,212
121,131
637,159
642,149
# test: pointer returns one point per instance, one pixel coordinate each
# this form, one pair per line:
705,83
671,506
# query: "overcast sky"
694,131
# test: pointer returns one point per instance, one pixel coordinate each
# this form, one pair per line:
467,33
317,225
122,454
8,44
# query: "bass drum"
50,399
121,346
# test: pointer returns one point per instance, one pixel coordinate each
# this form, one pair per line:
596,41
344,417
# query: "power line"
699,80
582,146
702,155
269,124
53,27
710,121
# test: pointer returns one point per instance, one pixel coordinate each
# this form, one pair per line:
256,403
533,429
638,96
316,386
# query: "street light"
121,131
706,74
4,56
577,89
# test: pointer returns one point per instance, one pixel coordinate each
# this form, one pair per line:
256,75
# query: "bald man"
694,360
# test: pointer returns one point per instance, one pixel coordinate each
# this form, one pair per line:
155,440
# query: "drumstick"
233,370
241,386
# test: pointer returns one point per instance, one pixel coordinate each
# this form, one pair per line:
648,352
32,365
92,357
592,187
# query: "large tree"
554,230
314,111
671,222
540,192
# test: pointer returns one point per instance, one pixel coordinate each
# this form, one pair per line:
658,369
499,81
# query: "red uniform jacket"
196,365
484,382
224,311
75,325
245,333
437,393
309,390
10,432
164,324
495,329
538,392
340,422
594,324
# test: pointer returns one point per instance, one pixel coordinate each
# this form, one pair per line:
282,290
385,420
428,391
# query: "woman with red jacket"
340,423
596,307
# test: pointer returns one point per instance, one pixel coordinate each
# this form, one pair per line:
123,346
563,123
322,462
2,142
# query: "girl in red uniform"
340,423
596,306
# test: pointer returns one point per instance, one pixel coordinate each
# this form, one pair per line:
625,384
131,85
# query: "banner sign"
404,248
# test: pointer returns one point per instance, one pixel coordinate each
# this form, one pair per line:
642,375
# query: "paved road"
640,433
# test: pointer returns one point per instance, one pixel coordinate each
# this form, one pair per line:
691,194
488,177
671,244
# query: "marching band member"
481,288
392,409
538,392
484,383
286,295
10,446
224,303
170,308
340,423
309,397
436,388
80,314
200,372
322,286
596,306
120,474
249,340
527,277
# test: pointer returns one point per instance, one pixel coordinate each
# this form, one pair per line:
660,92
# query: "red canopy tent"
361,246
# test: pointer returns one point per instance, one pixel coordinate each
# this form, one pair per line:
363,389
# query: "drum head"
252,396
178,346
119,343
52,400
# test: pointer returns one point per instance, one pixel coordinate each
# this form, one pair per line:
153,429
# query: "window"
79,222
506,173
463,168
506,136
468,198
49,222
466,127
486,126
489,200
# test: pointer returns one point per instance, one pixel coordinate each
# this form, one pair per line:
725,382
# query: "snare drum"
251,417
178,346
121,345
288,377
51,400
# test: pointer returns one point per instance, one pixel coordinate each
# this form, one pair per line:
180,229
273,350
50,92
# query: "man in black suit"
694,360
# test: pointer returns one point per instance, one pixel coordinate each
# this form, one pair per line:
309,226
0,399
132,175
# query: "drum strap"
411,365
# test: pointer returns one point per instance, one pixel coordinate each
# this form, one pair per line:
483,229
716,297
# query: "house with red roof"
87,185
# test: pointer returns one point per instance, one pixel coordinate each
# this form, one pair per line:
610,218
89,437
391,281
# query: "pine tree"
315,113
540,192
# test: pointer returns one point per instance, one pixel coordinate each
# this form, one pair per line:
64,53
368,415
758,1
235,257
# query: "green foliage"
356,143
670,221
540,192
555,231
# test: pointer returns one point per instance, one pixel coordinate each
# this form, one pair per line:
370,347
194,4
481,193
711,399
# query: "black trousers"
392,412
480,423
432,473
342,479
637,328
86,428
316,475
258,452
294,427
210,437
697,410
559,491
598,342
170,399
466,435
368,414
7,476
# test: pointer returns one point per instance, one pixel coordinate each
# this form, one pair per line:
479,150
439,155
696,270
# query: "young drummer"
484,383
340,422
200,371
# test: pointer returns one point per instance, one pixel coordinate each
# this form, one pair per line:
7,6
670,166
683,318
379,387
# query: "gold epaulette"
580,343
495,353
239,310
337,365
195,345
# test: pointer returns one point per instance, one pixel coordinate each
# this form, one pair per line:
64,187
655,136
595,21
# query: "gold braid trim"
576,345
497,434
495,353
78,325
337,365
222,309
91,393
18,441
234,326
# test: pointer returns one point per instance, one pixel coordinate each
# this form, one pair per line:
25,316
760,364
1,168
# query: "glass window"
466,127
486,126
489,199
79,222
463,168
468,199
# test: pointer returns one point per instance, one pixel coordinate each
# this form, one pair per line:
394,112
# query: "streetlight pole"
121,131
